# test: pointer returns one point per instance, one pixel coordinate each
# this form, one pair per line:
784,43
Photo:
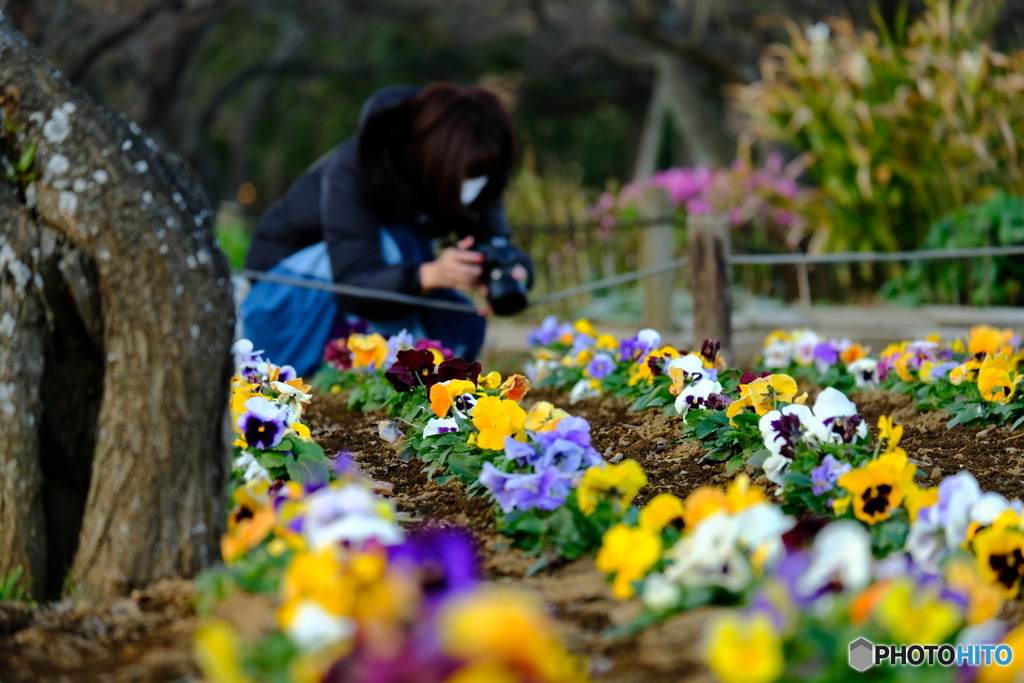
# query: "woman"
425,165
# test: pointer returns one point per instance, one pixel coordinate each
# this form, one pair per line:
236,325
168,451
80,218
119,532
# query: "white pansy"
436,424
650,339
775,468
831,408
313,628
349,513
770,434
779,354
841,554
251,470
865,373
696,394
709,556
660,593
583,389
806,343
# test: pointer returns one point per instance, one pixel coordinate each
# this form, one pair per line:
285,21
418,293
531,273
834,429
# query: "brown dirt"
148,637
141,638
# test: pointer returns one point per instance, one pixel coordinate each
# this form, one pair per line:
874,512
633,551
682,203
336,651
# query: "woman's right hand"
455,268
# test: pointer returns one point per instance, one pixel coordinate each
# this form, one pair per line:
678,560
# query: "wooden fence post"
708,237
657,245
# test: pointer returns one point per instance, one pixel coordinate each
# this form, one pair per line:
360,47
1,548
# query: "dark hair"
416,153
458,133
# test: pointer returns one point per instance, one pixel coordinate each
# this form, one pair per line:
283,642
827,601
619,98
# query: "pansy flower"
544,490
369,351
877,489
337,355
264,423
617,483
629,553
543,417
443,395
994,381
495,419
1000,557
744,648
662,510
514,388
456,368
865,373
600,366
436,426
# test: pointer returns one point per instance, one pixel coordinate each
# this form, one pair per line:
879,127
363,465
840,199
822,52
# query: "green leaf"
271,459
26,159
306,472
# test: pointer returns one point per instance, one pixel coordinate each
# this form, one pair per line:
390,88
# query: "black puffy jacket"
336,202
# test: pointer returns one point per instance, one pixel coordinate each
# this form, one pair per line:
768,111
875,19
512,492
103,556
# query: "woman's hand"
455,268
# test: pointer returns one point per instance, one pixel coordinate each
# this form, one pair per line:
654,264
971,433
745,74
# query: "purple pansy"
546,334
601,366
827,474
264,423
522,453
576,430
542,490
444,561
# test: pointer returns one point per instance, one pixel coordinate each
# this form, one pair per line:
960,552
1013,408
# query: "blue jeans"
293,324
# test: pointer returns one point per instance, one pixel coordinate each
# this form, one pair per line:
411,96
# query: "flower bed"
856,541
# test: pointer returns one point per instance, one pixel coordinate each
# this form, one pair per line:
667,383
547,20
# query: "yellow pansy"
984,340
966,372
915,615
663,509
1000,559
490,381
764,394
544,417
878,488
701,504
300,429
629,553
607,342
994,381
507,628
320,577
368,350
216,648
486,672
889,431
495,419
744,649
619,483
250,522
916,499
984,601
583,326
1012,672
740,495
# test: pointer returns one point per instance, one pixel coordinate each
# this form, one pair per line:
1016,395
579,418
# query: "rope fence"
641,273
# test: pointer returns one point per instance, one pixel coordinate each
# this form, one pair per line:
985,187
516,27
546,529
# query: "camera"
505,294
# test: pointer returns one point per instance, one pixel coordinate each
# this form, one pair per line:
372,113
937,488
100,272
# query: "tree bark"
130,294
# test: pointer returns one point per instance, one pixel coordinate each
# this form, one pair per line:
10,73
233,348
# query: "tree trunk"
114,345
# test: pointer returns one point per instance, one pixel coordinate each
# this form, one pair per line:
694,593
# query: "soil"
147,637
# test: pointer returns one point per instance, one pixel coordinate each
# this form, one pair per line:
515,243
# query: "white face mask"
471,189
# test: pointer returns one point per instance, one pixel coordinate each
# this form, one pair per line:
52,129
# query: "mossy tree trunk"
116,319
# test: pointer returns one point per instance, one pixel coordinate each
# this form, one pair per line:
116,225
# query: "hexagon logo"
862,654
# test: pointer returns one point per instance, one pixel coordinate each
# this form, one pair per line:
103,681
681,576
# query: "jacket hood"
385,98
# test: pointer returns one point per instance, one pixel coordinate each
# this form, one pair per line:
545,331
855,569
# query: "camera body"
505,294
